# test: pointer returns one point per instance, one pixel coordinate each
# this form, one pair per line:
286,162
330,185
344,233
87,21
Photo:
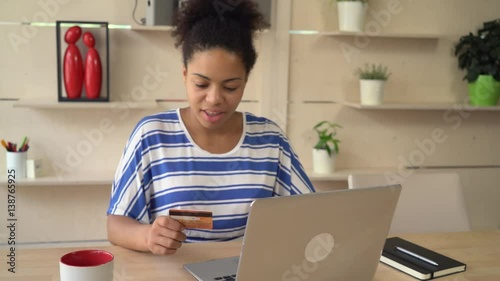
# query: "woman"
208,156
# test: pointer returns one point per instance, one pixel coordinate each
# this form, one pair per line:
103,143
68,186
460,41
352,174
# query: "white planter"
372,91
351,16
322,162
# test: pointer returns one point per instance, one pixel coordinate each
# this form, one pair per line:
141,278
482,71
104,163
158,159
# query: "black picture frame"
100,30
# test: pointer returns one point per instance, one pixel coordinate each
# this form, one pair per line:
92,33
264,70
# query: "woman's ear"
184,74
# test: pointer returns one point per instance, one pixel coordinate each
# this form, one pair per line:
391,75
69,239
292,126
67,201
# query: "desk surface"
479,250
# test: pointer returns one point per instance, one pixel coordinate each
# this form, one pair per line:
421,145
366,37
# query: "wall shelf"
422,106
342,174
106,178
152,27
149,104
88,179
137,27
47,104
386,35
361,34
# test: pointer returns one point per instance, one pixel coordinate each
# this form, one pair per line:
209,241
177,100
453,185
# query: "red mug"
84,265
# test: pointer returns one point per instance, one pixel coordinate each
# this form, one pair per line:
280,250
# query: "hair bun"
244,13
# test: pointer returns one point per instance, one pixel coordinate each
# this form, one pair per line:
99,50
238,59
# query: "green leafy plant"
326,134
373,72
480,54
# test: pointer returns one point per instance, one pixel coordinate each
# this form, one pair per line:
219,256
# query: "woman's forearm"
127,232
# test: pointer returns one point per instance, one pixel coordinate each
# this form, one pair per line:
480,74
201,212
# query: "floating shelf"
163,103
422,106
165,28
47,104
152,27
361,34
387,35
106,178
90,179
342,174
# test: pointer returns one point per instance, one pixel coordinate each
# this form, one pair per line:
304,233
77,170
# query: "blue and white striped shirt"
162,168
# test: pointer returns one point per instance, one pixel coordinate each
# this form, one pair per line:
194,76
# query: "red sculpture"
93,69
73,64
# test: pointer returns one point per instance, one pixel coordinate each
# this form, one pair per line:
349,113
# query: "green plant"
373,72
480,54
326,134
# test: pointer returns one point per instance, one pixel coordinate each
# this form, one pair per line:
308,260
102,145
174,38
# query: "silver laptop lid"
335,236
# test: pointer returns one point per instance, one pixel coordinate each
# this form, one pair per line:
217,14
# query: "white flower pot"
352,15
322,162
372,91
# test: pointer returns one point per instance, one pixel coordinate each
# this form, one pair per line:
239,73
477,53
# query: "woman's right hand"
165,236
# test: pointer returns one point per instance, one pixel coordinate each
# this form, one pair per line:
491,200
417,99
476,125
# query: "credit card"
193,218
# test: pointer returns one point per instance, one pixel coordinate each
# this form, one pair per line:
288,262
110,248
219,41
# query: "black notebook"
418,261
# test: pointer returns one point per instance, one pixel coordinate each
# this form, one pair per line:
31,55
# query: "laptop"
335,236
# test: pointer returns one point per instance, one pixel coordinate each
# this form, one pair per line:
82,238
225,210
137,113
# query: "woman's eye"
229,89
201,86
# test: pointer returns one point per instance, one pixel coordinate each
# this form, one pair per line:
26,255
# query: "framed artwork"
82,61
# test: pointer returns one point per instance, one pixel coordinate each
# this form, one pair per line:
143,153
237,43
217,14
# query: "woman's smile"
213,116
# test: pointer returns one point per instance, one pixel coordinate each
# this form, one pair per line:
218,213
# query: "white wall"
423,71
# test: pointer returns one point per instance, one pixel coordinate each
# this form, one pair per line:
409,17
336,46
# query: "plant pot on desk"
323,163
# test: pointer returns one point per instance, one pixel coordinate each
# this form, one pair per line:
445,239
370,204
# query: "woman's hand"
165,236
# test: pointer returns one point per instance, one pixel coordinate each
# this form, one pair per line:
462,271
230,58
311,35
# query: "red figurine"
73,64
93,69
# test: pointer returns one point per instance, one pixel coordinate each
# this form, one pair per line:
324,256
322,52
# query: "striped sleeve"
128,196
291,178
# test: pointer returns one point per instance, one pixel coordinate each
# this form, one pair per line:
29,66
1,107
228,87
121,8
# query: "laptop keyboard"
225,278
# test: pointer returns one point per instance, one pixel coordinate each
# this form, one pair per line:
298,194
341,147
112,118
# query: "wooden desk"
479,250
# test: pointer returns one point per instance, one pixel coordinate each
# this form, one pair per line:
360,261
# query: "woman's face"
215,81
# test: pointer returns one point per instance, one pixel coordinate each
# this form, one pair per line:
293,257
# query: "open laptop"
335,236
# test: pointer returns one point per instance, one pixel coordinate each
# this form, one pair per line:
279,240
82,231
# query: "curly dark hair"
228,24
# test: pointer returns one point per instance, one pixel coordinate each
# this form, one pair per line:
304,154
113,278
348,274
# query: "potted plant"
351,15
327,147
479,55
371,82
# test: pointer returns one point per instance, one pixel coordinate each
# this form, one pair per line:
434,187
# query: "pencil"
5,145
25,146
22,143
10,146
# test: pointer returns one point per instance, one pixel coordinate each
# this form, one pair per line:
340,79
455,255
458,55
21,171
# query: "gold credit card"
193,218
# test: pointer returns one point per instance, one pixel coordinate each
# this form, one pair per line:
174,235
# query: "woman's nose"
214,95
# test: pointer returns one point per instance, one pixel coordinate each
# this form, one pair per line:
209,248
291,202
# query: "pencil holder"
16,164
